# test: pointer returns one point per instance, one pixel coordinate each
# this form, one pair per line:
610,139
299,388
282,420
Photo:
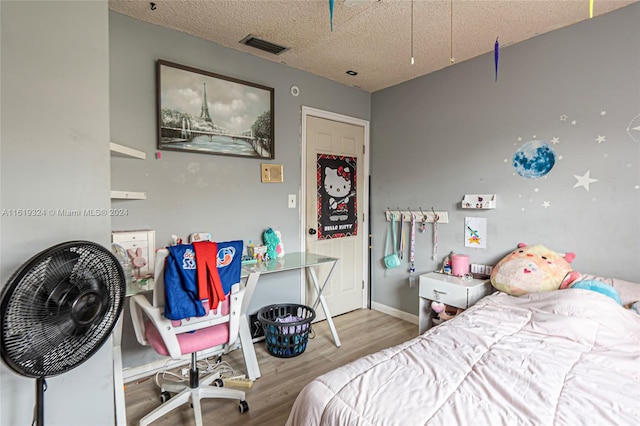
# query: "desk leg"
118,382
246,340
248,351
321,300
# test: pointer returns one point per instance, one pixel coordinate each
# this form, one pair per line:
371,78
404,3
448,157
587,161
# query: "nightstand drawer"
452,290
131,236
145,240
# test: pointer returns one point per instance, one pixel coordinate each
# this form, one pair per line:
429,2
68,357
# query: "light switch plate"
271,173
292,201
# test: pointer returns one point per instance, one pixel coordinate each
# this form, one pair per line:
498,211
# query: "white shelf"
128,195
125,151
479,201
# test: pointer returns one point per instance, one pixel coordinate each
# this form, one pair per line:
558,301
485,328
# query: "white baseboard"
394,312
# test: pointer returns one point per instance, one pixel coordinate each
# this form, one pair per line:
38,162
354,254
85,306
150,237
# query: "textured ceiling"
372,37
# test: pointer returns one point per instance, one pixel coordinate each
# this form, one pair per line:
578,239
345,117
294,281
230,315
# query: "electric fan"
58,309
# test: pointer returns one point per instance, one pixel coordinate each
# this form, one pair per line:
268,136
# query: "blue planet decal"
534,159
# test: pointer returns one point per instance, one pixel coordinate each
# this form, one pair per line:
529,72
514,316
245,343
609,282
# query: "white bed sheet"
568,357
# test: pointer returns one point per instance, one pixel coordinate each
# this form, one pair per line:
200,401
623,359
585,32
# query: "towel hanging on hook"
401,234
435,234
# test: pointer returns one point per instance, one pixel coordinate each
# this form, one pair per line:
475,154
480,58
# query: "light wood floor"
271,397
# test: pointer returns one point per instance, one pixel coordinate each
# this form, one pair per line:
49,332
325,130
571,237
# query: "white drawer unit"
450,290
141,243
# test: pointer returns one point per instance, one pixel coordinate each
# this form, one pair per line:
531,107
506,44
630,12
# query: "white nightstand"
449,290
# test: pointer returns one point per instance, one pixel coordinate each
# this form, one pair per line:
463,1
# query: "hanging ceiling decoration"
496,56
451,58
412,60
331,14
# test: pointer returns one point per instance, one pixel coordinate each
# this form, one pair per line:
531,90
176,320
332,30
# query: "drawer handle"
438,293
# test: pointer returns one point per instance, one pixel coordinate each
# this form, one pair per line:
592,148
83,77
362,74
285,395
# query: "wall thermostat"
295,91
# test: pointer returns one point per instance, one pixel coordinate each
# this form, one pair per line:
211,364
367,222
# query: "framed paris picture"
199,111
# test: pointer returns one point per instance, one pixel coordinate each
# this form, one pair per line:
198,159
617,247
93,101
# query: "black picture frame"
203,112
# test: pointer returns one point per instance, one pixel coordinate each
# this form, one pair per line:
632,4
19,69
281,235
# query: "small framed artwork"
199,111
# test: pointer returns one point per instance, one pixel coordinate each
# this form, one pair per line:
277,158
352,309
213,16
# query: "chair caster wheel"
165,396
243,407
218,383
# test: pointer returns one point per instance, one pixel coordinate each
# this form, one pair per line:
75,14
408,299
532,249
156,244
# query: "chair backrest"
227,312
158,277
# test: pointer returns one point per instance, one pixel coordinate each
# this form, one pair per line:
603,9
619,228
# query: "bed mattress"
568,357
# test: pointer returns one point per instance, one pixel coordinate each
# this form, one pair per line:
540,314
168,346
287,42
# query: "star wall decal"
555,140
603,113
563,117
601,139
546,204
584,180
574,122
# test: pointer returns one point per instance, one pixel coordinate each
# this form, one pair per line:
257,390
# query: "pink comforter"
568,357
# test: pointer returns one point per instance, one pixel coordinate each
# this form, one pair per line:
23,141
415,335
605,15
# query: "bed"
564,357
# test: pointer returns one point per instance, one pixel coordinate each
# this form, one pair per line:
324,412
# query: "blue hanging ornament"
331,14
496,56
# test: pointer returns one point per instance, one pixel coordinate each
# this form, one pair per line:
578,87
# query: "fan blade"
56,275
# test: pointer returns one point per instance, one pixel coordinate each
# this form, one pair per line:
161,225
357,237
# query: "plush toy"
598,286
279,246
273,240
532,269
634,306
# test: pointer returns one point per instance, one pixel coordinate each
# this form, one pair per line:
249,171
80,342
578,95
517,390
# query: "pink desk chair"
218,330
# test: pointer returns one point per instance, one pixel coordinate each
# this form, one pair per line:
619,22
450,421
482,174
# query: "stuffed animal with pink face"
533,269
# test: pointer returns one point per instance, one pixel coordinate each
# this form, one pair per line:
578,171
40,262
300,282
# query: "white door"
335,208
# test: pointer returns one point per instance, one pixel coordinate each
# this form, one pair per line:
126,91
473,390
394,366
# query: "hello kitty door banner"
337,205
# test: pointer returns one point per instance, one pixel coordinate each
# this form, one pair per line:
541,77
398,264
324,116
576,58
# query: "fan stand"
41,387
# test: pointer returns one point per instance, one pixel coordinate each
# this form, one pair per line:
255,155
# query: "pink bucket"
459,264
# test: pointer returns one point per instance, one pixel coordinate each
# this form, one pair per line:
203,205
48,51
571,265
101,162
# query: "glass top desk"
289,262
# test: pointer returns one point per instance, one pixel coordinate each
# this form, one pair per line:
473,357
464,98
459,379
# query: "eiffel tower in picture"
204,113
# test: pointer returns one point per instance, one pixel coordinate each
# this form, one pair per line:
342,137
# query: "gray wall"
190,192
55,155
434,139
453,132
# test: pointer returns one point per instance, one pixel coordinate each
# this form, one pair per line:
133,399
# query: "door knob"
312,231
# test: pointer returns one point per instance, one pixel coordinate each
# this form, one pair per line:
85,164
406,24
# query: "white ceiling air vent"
264,45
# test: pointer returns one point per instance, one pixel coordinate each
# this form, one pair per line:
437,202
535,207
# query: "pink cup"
459,264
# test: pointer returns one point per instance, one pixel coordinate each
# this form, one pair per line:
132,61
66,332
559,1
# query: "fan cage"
40,337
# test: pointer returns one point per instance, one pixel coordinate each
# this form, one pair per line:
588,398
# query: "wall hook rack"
429,217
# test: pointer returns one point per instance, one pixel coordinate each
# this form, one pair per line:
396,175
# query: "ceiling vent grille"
263,45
